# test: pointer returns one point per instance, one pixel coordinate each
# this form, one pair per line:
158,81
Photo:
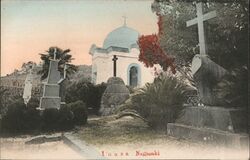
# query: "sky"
30,27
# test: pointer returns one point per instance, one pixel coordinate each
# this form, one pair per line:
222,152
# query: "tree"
64,58
226,38
226,35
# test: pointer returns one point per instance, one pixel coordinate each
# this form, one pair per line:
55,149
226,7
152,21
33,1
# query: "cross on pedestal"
199,20
114,65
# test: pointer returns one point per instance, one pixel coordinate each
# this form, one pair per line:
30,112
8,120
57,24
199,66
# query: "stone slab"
50,102
225,119
51,90
206,75
81,147
208,135
114,95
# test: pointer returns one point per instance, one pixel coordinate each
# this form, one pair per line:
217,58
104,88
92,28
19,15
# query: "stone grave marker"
51,91
215,121
115,94
27,92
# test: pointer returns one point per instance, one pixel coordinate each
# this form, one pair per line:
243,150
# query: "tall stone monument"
51,90
115,94
213,121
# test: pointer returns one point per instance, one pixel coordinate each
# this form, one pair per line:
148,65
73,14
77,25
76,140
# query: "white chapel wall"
104,67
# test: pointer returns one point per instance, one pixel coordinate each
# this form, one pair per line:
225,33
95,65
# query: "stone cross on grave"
114,65
199,20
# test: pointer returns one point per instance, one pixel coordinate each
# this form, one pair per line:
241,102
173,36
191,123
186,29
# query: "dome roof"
121,37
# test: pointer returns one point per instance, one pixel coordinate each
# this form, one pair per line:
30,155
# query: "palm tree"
64,58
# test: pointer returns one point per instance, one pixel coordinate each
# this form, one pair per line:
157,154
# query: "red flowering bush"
151,53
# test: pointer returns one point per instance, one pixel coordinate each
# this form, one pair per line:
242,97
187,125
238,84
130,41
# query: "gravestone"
27,92
51,90
207,74
214,121
115,94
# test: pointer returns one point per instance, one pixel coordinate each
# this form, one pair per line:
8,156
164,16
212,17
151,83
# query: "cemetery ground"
112,138
130,137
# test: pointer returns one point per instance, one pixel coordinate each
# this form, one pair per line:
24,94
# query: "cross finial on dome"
125,20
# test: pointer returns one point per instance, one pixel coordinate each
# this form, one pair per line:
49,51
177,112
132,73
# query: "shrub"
161,101
88,93
33,103
65,120
79,110
233,88
131,89
94,97
20,119
50,118
13,120
32,119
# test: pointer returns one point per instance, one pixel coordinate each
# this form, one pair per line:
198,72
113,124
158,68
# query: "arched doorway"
134,75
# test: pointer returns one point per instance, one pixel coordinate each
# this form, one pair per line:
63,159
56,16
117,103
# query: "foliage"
57,119
19,118
88,93
64,58
32,119
160,102
226,39
80,112
234,88
66,117
33,102
13,120
49,119
226,34
131,89
2,105
8,96
151,53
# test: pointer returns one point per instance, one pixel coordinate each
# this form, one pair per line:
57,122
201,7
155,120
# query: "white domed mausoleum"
121,42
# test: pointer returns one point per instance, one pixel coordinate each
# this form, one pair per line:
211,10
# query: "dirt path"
15,148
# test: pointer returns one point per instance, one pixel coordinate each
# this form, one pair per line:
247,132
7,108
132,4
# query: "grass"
109,130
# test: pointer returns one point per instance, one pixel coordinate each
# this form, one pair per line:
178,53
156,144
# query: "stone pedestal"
115,94
221,126
206,75
50,102
51,91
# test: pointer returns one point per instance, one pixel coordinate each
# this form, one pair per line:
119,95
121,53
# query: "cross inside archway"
199,20
114,65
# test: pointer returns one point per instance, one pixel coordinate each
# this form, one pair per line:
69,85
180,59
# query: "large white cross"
199,20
